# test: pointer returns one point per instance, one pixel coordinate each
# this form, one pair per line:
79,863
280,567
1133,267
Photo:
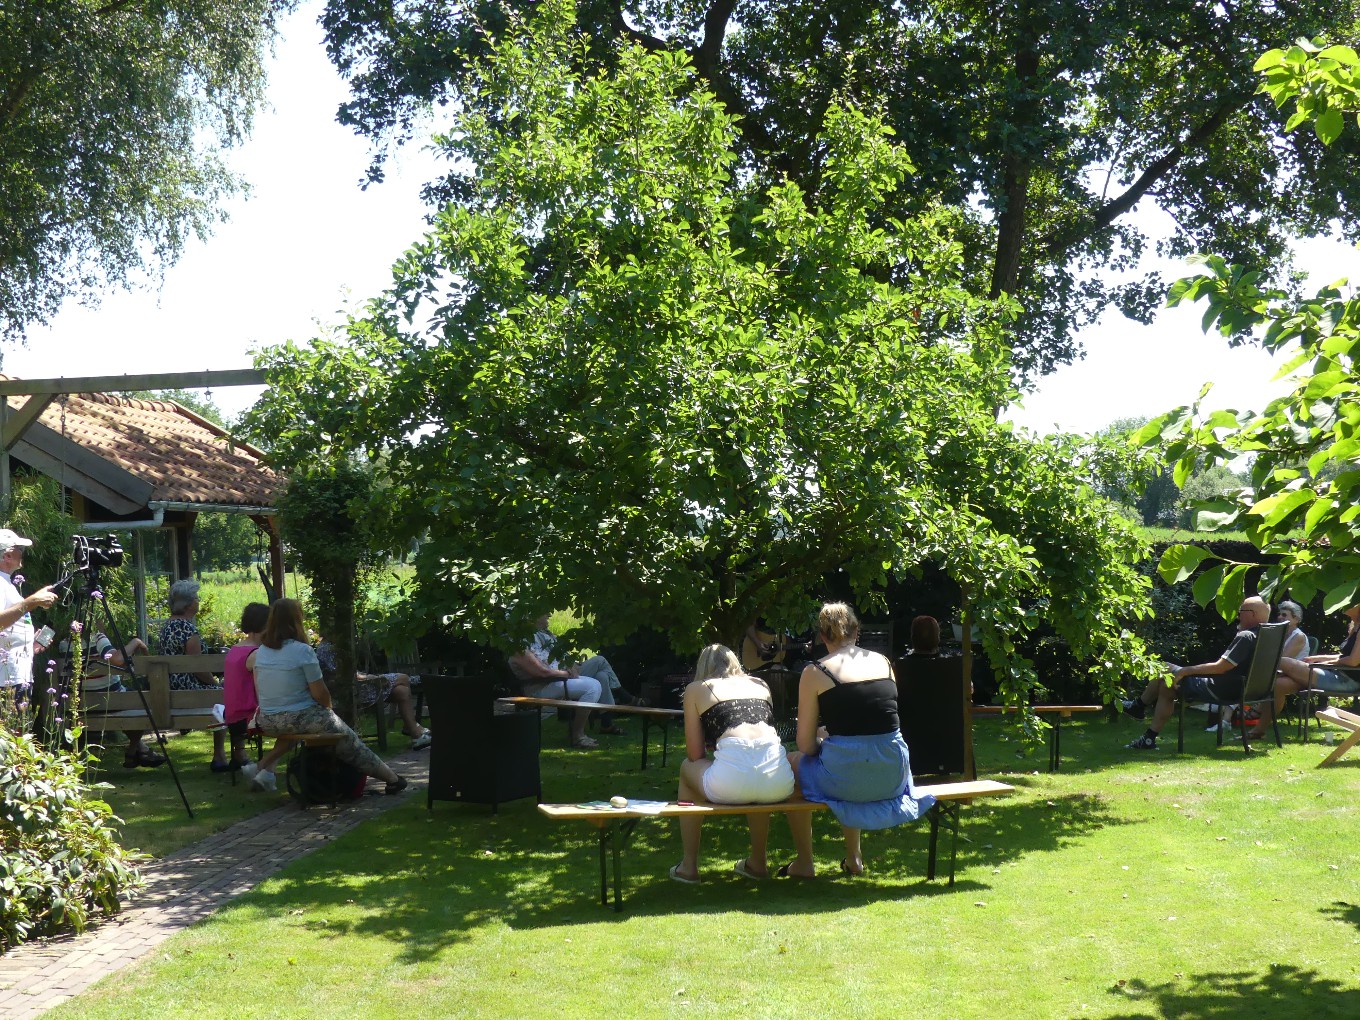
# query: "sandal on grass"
786,871
744,869
677,877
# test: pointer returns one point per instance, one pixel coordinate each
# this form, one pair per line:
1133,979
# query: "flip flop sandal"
786,872
743,869
677,877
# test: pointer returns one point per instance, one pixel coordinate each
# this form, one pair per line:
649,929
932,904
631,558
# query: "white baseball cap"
8,539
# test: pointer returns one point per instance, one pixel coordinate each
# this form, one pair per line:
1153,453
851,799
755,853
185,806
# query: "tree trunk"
1017,164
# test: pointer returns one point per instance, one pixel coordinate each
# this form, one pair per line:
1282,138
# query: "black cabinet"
477,754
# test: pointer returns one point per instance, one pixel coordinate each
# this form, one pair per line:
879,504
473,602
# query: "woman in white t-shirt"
294,698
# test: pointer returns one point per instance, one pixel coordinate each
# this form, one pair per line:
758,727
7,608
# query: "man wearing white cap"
16,625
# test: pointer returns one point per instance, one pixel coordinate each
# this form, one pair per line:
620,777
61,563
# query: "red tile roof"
186,458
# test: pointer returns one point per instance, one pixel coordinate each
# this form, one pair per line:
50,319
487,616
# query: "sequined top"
717,719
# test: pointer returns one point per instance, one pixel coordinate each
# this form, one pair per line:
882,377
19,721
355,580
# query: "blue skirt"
865,781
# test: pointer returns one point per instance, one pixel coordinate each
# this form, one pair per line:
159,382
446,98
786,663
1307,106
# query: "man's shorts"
1217,690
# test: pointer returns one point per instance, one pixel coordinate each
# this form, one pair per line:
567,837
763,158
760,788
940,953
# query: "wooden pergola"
136,464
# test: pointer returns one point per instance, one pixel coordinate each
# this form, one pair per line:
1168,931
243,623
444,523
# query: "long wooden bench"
649,715
168,710
616,825
1057,714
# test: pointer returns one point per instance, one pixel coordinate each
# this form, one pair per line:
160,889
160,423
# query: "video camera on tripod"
89,555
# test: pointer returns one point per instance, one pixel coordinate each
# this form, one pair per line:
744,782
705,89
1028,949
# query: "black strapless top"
717,719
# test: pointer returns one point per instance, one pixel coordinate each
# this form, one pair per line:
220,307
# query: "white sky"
308,244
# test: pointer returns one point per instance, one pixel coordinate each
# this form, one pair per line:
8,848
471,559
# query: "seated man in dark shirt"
1219,682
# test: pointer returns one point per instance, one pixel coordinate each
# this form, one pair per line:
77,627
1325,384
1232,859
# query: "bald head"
1253,612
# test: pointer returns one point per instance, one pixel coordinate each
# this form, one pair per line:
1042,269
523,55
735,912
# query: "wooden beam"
51,465
121,383
14,421
88,473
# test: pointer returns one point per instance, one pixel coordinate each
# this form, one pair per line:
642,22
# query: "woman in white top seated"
294,698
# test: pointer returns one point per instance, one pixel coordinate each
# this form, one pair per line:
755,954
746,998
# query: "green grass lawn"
1129,885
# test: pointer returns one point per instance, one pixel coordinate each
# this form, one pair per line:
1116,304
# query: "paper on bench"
642,807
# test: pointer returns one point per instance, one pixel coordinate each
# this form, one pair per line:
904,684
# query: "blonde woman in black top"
730,714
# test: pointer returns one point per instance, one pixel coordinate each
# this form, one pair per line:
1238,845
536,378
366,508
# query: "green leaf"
1270,58
1274,509
1328,126
1232,590
1206,585
1320,509
1341,597
1341,54
1180,561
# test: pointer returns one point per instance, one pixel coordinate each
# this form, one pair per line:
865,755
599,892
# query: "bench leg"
1055,745
665,741
934,840
615,836
948,812
646,729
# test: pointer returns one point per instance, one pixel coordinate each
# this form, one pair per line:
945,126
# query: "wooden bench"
1057,713
649,714
168,710
616,825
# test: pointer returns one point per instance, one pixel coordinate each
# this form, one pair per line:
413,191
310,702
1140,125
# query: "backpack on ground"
316,776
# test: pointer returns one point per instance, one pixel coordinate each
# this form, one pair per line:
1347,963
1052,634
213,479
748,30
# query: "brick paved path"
182,888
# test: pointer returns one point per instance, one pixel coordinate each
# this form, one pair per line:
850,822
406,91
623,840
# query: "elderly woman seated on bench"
732,713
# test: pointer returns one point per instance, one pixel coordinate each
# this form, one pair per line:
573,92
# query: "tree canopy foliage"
113,115
611,378
1304,501
1051,120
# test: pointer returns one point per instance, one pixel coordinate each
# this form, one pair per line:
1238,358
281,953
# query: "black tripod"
88,604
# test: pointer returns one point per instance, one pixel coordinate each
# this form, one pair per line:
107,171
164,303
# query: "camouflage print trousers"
316,719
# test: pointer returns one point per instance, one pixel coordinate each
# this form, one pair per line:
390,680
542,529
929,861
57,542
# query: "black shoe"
1143,743
395,788
1136,707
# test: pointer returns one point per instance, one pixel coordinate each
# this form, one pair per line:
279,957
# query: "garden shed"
134,465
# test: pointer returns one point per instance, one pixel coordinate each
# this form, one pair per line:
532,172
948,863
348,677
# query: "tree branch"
648,42
1055,244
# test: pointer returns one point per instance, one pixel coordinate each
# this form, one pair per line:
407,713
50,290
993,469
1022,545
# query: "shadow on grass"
430,880
1281,990
1343,911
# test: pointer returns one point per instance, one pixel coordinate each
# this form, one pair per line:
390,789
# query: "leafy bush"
60,862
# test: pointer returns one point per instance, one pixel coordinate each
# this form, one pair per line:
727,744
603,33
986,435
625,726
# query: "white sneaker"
586,743
249,769
1213,728
264,782
421,742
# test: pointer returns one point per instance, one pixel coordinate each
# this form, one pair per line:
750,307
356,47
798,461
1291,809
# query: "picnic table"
614,826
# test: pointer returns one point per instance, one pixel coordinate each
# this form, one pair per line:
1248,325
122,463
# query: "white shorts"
748,772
